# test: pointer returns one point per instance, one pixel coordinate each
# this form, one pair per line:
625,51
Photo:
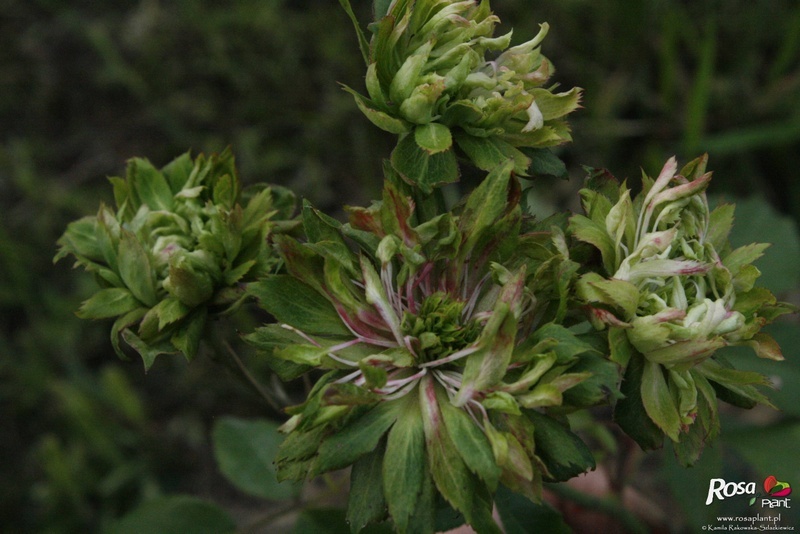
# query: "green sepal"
705,427
743,256
554,106
629,412
80,239
589,231
486,153
421,169
123,322
601,385
135,269
271,336
379,118
356,439
740,383
485,205
348,394
146,351
472,444
110,302
295,303
187,339
366,503
658,401
720,223
501,401
188,281
404,465
545,163
620,347
488,365
433,137
764,346
303,354
150,186
563,452
297,451
319,227
450,474
168,311
177,171
424,520
374,375
567,347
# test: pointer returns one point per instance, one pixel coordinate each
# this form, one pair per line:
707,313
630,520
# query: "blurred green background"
84,85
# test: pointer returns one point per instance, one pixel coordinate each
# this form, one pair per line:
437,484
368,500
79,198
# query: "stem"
225,354
250,379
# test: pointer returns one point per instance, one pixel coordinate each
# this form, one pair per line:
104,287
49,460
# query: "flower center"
439,328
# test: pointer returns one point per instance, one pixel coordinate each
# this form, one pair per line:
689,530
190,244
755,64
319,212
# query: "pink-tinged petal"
683,190
376,296
402,209
606,317
367,220
664,268
431,415
670,314
667,173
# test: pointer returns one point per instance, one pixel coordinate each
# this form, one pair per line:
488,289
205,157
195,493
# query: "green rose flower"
446,368
179,247
672,292
431,82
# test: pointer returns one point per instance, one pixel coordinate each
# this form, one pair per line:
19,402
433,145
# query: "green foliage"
156,78
245,452
175,515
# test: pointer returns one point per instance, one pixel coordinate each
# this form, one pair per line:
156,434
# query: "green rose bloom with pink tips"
672,291
447,368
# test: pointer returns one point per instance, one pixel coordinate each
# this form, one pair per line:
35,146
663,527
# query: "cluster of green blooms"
178,248
672,292
430,81
448,345
442,343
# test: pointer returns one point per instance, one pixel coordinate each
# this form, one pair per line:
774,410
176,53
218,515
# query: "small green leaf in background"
521,516
331,521
755,221
245,451
175,514
545,163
